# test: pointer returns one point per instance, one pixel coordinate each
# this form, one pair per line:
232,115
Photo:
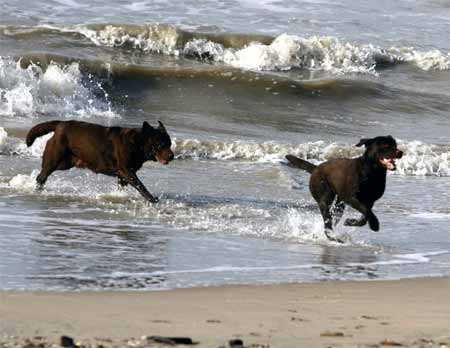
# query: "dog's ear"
365,141
161,126
390,137
147,128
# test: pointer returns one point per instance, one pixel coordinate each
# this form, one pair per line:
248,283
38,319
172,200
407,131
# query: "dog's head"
382,151
157,143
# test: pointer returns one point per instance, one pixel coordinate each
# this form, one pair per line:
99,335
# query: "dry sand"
412,312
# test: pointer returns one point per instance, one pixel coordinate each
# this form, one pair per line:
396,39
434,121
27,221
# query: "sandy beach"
413,313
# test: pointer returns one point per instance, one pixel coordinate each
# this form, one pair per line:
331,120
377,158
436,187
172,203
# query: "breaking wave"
419,159
254,52
261,52
57,90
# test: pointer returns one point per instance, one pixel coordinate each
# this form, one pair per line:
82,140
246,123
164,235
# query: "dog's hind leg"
338,211
325,205
52,159
324,197
66,164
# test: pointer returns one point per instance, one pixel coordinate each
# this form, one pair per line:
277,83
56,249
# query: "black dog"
113,151
358,182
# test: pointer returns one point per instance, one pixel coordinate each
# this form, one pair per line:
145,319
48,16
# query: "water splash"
56,90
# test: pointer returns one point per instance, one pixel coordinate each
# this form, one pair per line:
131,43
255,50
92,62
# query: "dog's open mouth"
388,163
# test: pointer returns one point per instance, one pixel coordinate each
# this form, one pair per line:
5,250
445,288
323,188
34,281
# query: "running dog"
358,182
113,151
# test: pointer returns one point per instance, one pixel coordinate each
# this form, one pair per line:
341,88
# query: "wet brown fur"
113,151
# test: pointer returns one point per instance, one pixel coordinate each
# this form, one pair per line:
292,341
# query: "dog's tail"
40,130
296,162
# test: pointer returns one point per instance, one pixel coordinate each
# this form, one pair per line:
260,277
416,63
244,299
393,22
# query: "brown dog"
113,151
358,182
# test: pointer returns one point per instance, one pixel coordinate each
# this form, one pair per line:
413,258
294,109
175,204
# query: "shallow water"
237,93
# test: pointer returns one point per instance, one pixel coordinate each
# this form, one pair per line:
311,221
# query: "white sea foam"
424,159
301,225
419,158
24,182
204,48
15,146
429,60
57,90
3,137
329,54
153,38
284,53
321,53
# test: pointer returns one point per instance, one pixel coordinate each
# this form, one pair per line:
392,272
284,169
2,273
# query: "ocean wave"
420,159
113,74
329,54
262,53
59,90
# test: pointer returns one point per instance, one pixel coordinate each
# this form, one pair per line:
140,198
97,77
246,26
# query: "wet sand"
412,313
408,312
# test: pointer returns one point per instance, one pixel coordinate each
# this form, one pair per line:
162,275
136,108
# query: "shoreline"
411,312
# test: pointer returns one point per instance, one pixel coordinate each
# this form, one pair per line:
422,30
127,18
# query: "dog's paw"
332,238
374,224
153,199
336,239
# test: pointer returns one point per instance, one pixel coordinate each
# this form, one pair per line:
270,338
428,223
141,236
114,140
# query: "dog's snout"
399,154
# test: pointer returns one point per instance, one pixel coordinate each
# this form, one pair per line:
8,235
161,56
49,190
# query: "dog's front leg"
132,179
367,216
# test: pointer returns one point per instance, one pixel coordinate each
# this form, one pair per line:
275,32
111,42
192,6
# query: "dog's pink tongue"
388,163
